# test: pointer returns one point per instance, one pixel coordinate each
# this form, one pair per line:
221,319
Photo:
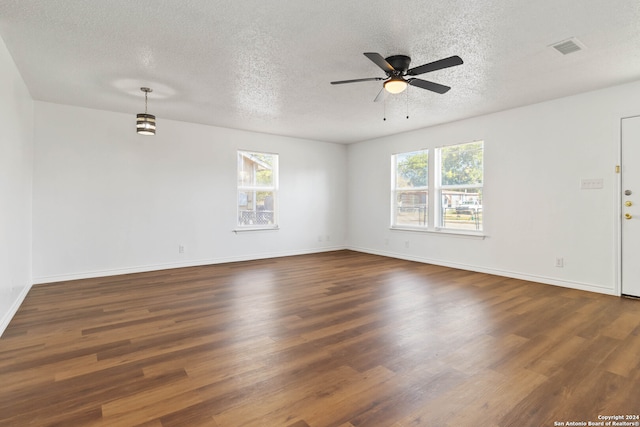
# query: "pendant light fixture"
146,123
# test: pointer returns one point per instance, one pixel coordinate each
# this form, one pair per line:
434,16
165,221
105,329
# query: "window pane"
412,169
257,189
462,164
462,208
411,208
256,208
256,169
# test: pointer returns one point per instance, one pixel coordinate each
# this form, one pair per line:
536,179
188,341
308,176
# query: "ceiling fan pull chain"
407,103
384,110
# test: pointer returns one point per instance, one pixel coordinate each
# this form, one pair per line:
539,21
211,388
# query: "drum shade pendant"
146,123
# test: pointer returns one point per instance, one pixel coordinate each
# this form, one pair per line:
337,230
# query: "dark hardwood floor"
332,339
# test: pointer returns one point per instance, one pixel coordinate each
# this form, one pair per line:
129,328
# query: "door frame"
618,208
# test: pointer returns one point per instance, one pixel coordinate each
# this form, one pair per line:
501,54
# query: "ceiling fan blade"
424,84
357,80
435,65
380,61
382,95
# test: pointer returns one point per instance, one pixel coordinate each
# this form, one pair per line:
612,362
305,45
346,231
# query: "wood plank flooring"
339,339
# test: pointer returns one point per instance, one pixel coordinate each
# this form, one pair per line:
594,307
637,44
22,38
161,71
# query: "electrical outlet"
559,262
406,244
319,238
180,249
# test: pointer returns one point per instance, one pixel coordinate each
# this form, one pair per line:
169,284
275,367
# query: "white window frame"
434,189
248,224
440,188
395,189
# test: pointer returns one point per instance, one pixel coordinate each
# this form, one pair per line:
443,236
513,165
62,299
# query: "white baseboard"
194,263
6,318
181,264
504,273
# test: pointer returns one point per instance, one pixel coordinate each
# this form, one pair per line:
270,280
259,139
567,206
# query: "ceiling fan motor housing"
400,63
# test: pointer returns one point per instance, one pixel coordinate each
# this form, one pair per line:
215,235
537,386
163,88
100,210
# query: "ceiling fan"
396,68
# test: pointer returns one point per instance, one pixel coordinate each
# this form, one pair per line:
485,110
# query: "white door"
631,206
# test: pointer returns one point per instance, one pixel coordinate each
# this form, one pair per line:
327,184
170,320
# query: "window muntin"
460,186
410,189
257,189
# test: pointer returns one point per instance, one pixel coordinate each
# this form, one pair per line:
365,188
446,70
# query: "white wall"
534,210
109,201
16,166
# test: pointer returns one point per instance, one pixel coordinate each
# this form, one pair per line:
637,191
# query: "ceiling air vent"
566,47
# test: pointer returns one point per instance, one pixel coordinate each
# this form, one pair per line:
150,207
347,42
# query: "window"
410,188
460,186
455,199
257,190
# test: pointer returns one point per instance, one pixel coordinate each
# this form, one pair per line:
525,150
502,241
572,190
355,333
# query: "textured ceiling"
266,66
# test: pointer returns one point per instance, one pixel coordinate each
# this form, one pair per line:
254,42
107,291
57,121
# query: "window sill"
243,230
444,232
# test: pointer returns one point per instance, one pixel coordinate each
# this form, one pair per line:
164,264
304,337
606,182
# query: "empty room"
314,214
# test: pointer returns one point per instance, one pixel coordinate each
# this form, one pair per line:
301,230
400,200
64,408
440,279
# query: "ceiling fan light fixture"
395,85
145,123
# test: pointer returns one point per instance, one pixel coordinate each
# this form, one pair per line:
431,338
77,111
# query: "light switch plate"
591,183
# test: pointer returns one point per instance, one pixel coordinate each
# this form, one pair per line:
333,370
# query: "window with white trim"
257,190
410,189
459,186
453,201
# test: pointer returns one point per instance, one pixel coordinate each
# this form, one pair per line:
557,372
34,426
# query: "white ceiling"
266,65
